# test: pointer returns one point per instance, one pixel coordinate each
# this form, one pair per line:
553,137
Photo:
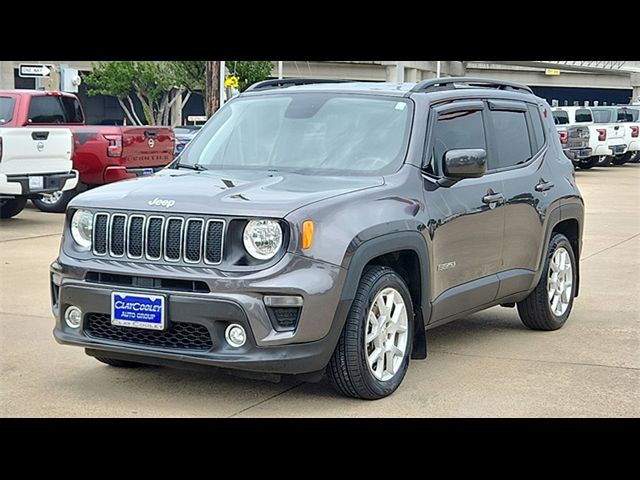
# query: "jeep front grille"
172,239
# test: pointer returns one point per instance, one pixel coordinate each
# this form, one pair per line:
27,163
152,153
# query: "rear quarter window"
72,110
7,105
536,124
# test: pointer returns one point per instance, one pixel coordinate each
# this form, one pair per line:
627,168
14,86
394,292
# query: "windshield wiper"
196,166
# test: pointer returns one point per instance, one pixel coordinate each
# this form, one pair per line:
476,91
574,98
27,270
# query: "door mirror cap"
464,163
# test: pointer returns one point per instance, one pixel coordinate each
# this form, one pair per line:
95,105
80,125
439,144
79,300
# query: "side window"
45,109
512,139
72,110
453,130
538,130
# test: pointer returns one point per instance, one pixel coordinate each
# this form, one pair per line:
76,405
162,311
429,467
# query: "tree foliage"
159,85
250,72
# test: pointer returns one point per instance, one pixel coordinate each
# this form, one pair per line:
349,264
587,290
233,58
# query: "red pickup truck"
102,154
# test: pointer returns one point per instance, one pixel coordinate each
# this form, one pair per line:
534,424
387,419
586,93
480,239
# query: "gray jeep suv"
315,227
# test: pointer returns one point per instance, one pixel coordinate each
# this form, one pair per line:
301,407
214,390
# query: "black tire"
535,311
620,159
119,363
348,369
58,206
10,208
634,157
588,163
605,160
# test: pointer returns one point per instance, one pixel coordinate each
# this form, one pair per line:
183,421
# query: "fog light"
73,317
235,335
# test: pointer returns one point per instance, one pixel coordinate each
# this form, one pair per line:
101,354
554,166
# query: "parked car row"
101,153
600,136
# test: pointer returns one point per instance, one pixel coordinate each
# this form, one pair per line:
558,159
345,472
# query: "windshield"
6,109
305,133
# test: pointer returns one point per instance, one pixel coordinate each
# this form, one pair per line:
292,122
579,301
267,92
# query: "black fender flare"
357,260
570,211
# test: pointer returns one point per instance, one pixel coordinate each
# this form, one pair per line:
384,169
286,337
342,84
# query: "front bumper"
231,300
19,184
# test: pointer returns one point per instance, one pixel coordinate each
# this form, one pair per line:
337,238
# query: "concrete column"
6,76
412,75
635,86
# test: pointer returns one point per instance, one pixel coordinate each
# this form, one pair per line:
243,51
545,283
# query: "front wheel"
372,355
10,208
634,157
588,163
55,202
549,305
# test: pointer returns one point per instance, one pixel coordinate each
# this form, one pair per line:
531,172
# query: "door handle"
543,186
493,198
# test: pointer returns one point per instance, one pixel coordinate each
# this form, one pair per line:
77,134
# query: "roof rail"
289,82
449,84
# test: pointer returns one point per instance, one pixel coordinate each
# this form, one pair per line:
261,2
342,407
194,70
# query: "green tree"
159,85
156,85
249,72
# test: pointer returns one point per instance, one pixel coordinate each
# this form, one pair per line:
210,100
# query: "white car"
33,161
606,140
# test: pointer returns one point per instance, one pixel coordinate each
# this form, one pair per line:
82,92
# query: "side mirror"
463,163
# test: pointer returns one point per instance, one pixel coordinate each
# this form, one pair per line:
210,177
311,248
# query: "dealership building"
565,82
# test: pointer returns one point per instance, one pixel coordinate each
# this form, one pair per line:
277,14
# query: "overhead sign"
551,71
33,70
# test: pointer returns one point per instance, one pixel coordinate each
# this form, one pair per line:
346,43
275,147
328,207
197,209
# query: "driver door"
466,219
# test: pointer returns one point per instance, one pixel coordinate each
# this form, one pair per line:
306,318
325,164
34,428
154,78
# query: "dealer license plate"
138,311
36,182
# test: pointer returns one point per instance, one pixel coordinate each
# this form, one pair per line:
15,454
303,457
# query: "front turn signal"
307,234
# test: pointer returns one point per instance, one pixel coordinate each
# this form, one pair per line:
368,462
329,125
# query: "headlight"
81,228
262,238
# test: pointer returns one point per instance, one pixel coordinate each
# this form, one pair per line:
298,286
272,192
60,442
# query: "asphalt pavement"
486,365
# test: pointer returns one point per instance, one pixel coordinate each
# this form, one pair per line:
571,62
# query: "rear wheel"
10,208
372,354
549,305
55,202
588,163
621,159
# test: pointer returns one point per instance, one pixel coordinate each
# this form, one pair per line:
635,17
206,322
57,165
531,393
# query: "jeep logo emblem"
157,202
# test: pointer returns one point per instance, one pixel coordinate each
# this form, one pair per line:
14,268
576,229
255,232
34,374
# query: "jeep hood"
228,192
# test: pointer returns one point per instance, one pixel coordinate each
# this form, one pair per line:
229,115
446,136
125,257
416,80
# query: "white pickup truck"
33,161
606,140
626,129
